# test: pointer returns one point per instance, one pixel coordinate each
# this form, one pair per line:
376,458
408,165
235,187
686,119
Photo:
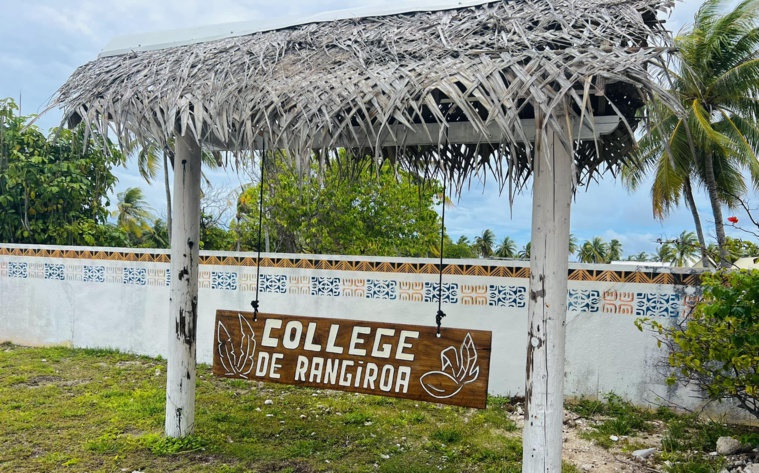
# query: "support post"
547,309
183,319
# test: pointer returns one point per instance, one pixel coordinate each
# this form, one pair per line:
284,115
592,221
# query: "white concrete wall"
90,297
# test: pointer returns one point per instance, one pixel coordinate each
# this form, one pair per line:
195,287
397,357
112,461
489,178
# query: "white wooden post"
180,374
549,263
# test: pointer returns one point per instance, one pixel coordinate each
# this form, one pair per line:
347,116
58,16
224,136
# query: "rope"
440,313
254,304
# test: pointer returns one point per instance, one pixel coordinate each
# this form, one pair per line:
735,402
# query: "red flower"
733,220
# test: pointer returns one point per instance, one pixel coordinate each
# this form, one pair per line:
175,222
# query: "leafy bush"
717,348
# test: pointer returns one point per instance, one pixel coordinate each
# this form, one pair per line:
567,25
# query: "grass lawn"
94,410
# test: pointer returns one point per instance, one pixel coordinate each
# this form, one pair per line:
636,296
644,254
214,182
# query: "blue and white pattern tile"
94,273
56,272
584,300
273,283
168,277
657,305
135,276
450,292
224,280
321,286
382,289
507,296
18,270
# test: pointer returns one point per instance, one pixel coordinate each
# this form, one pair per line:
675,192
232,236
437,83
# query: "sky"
43,41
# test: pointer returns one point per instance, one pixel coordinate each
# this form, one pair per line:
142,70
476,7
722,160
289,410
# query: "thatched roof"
352,82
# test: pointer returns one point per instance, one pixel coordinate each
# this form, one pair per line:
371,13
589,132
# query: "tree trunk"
697,221
168,192
711,188
180,374
549,263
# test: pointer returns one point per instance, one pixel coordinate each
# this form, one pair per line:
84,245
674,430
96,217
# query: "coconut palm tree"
594,251
684,249
615,251
573,247
507,248
715,76
524,253
132,212
642,256
484,243
664,254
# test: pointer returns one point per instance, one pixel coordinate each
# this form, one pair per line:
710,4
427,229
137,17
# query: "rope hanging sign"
404,361
384,359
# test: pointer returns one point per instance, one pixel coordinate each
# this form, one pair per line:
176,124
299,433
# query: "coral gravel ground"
95,410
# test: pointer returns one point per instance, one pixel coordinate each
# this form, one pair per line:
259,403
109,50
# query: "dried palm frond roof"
377,84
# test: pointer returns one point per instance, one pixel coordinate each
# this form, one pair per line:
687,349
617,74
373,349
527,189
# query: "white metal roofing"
181,37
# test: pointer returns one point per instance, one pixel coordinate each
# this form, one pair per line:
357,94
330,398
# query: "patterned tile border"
662,304
640,277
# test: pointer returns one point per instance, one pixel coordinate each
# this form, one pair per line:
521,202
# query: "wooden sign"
405,361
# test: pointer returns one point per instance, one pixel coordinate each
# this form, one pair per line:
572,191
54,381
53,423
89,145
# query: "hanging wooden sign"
404,361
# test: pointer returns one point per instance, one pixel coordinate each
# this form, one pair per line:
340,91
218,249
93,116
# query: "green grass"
101,411
97,410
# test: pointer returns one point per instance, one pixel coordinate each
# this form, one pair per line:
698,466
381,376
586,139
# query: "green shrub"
717,347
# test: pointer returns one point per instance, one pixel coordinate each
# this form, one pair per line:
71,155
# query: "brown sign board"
384,359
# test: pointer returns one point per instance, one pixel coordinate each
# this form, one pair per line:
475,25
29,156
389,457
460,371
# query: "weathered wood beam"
549,262
183,319
430,134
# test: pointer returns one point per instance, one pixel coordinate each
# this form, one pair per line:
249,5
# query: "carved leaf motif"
233,361
225,348
440,385
470,370
458,368
247,347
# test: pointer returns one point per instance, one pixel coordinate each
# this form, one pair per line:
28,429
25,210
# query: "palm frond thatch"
349,83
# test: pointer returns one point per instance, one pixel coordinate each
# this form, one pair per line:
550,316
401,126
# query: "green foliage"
363,211
621,418
712,140
54,190
718,348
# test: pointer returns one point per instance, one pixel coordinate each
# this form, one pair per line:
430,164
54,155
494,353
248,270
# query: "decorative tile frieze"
382,289
583,300
299,285
411,291
54,271
471,294
353,288
507,296
657,305
94,273
18,270
224,280
135,276
615,302
450,292
322,286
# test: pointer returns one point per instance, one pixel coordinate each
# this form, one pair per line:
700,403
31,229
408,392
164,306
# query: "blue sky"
43,41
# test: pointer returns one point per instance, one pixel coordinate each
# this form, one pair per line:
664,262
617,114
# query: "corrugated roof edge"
182,37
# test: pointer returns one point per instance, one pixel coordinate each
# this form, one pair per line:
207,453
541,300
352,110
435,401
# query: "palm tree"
573,247
594,251
684,249
615,251
507,248
664,254
715,77
524,253
484,243
132,212
642,256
